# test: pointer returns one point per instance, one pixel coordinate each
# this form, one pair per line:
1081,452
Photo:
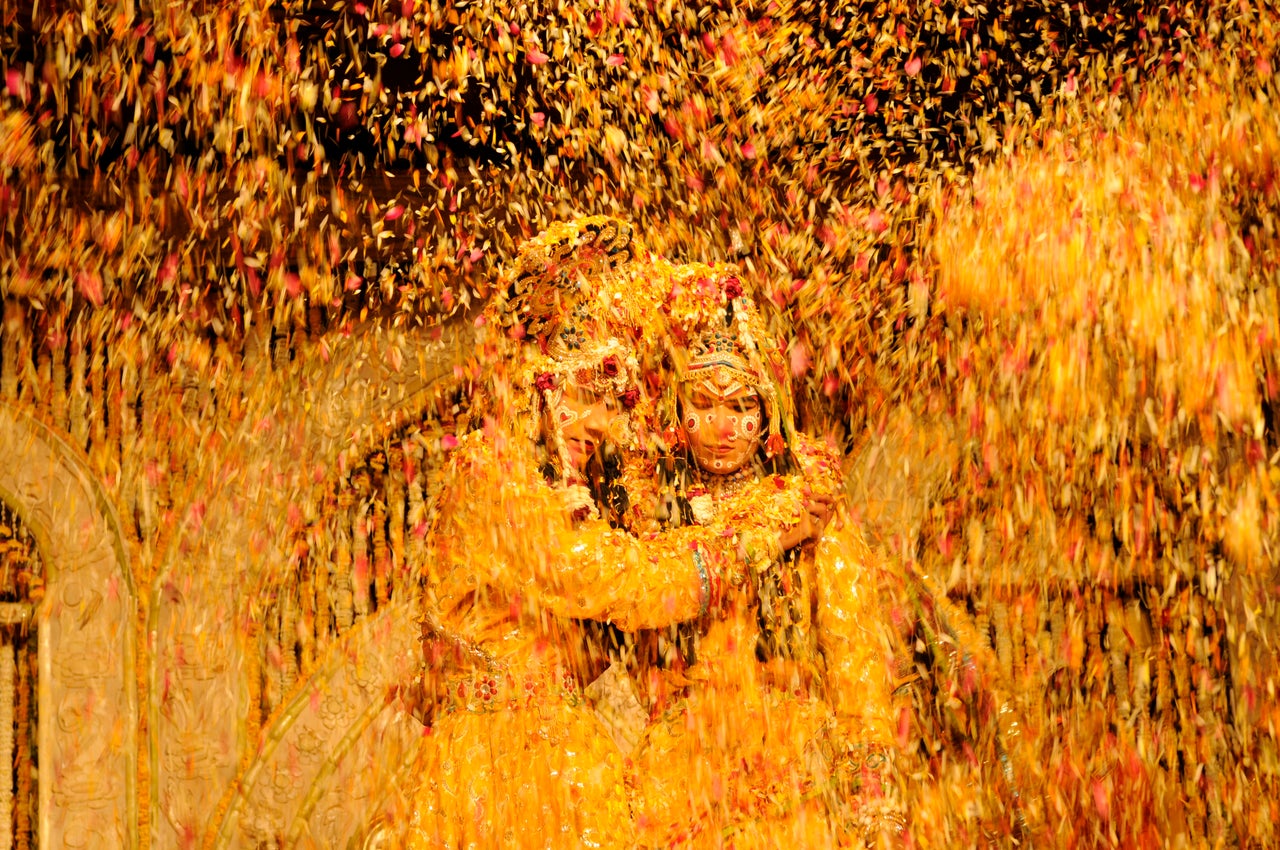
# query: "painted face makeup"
584,419
723,428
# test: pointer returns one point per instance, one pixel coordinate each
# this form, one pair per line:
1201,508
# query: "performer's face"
585,419
723,427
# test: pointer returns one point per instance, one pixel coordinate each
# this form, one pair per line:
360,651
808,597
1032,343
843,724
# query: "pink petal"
913,66
90,284
799,359
394,213
1101,800
616,60
536,57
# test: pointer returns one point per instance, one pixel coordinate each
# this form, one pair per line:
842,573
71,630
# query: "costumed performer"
784,733
514,755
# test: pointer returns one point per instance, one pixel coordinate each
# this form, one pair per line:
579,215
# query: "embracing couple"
647,619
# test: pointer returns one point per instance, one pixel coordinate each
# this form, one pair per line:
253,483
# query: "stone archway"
338,743
88,712
314,772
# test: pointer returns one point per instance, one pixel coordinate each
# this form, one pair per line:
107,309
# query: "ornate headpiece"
718,358
604,367
725,341
559,269
565,316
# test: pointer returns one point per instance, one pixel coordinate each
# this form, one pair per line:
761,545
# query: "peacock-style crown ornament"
561,268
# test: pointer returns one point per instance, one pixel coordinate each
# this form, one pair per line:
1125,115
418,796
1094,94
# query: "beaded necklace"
727,486
710,493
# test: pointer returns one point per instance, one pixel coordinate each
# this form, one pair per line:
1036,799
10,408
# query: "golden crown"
551,271
717,348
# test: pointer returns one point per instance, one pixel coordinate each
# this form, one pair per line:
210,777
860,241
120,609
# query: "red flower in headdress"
545,381
610,366
733,288
630,398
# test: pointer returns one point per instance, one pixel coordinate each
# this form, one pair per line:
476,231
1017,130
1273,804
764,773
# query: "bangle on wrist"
704,582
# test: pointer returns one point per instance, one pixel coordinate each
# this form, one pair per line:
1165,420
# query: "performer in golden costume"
784,729
514,755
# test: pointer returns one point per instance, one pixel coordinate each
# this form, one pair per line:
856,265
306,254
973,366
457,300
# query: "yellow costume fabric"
514,755
788,750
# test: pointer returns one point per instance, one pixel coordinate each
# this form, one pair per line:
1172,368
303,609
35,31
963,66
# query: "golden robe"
514,755
789,750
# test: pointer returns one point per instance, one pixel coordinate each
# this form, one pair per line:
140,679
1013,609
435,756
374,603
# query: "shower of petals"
1023,259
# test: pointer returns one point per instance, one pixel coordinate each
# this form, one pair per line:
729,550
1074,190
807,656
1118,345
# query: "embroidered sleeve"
510,529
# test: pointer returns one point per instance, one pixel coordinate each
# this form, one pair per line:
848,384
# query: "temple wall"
172,496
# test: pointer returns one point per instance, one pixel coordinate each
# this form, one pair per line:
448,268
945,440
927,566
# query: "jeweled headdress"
566,315
716,357
720,337
559,272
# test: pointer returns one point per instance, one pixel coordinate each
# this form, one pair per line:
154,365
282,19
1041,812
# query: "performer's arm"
512,530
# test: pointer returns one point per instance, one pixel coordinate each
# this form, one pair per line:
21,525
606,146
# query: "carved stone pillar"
88,706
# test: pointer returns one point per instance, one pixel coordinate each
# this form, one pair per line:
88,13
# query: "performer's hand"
802,532
821,507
